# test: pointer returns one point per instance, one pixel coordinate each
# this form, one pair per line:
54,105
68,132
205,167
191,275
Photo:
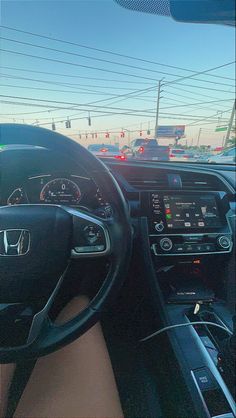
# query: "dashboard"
187,208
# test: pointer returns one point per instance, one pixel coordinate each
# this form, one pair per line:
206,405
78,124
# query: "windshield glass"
85,69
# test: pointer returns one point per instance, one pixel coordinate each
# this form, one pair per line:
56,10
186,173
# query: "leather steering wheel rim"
52,337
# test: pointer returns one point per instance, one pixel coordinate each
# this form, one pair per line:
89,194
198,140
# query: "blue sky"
105,25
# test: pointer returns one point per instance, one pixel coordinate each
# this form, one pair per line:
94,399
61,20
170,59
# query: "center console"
187,223
191,239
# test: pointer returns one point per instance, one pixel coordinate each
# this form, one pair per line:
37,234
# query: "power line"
209,117
63,108
205,88
132,94
59,83
200,72
82,91
75,76
95,68
196,104
76,65
191,92
115,62
72,103
107,51
125,112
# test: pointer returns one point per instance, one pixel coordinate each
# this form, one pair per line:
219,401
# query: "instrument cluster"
60,189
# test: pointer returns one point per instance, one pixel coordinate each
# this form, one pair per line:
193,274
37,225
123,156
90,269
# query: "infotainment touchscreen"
191,211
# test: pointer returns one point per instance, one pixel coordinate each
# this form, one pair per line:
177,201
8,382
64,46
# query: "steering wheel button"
89,248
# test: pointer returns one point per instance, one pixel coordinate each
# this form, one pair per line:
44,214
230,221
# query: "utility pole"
198,138
158,106
230,125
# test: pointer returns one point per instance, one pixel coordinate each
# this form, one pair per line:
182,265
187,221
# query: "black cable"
106,51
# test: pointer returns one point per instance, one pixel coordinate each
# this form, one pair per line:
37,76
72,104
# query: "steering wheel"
37,243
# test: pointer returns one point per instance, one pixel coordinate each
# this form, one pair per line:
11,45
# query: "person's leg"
74,382
6,373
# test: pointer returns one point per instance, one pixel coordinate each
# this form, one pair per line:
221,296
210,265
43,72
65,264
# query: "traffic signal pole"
158,106
198,138
230,124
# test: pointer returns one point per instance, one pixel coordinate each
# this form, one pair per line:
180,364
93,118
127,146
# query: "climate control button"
166,244
224,242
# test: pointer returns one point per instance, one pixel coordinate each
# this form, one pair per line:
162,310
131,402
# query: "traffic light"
107,135
122,134
141,133
68,123
53,126
96,135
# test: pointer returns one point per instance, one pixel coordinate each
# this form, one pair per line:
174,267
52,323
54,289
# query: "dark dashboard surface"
36,175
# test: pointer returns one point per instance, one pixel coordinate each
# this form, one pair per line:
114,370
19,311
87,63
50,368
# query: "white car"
226,157
180,154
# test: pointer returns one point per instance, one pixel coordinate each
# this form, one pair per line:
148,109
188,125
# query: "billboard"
171,131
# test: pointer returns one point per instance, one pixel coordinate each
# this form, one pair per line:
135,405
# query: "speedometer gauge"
60,191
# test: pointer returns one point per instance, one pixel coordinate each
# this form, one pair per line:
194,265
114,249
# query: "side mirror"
188,11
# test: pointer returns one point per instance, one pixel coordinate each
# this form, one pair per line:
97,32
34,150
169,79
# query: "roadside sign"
221,128
171,131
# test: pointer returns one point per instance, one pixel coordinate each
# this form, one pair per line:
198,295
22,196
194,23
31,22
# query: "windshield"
85,69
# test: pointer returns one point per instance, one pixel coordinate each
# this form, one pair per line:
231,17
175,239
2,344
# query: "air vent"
199,182
148,182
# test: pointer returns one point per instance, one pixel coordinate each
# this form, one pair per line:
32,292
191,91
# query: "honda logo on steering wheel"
14,242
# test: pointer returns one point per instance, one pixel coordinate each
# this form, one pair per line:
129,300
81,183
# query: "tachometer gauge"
17,197
61,191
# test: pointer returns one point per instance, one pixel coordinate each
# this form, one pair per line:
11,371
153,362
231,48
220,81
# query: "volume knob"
159,227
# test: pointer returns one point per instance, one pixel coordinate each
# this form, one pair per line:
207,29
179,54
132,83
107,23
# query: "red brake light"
171,155
120,157
141,150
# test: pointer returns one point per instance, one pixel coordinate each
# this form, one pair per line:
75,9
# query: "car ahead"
149,149
226,157
106,151
179,154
